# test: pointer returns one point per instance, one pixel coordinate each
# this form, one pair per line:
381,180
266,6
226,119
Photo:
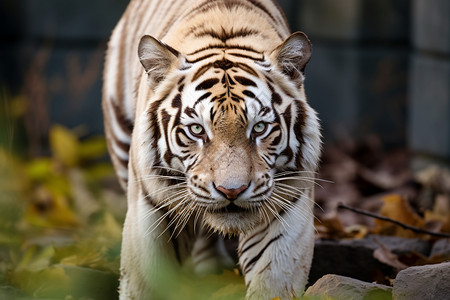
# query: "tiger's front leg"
276,257
152,253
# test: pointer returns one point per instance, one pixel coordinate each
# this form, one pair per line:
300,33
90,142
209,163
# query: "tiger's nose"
231,194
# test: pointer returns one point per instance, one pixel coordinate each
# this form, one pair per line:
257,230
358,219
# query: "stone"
423,282
354,257
345,288
441,247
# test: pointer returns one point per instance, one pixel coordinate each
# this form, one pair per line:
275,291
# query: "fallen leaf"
397,208
385,256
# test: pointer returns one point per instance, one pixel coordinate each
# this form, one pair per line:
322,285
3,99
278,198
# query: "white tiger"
207,125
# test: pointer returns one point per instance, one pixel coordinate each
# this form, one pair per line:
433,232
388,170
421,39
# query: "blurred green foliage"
60,215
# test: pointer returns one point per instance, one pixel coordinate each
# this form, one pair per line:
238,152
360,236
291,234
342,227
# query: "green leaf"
36,259
65,145
40,169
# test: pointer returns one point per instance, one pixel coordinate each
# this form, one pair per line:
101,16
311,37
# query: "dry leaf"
385,256
397,208
330,226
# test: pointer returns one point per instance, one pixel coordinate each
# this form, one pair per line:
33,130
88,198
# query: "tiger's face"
230,127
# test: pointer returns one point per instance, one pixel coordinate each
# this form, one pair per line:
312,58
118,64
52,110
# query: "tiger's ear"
156,57
293,55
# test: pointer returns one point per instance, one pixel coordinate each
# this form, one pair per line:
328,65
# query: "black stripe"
178,138
276,99
299,126
165,119
251,246
201,58
224,35
252,236
122,162
201,71
190,112
245,81
212,114
223,64
124,146
154,124
191,165
207,84
248,266
227,47
246,56
247,69
203,97
176,102
287,115
276,141
125,124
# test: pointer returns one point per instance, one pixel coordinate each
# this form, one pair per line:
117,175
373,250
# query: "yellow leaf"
65,145
56,212
397,208
39,169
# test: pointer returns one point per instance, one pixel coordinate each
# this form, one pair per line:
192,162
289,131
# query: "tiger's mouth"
230,208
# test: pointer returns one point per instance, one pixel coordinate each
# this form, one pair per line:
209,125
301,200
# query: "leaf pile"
382,183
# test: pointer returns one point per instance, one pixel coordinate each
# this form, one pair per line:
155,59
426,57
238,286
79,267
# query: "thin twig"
412,228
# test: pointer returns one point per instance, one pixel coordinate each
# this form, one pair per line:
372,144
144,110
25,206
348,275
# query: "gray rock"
423,283
441,247
354,258
345,288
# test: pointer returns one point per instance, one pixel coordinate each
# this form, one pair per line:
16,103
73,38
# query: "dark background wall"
380,68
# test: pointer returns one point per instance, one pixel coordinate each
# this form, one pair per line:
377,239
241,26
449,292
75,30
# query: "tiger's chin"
232,222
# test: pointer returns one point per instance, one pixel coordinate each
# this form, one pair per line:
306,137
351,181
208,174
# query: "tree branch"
412,228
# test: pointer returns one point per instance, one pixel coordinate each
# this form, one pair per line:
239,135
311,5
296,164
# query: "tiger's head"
226,132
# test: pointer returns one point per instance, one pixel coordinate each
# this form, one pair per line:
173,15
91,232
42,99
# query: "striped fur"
209,131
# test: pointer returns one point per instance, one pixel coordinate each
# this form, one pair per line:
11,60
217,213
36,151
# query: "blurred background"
379,67
379,78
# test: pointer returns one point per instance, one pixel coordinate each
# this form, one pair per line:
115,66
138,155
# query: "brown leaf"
385,256
397,208
330,226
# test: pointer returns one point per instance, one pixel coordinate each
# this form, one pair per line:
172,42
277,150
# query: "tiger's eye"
259,127
196,129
